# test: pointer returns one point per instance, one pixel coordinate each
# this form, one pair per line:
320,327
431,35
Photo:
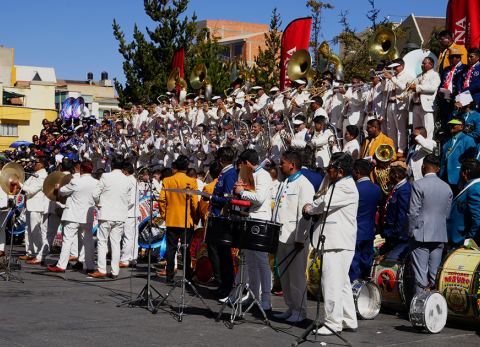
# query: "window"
8,130
237,49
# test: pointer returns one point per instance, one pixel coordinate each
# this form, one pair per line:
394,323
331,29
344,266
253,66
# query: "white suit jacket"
420,151
322,152
355,107
277,148
398,84
427,86
341,223
33,186
289,202
134,200
298,140
113,196
79,193
261,198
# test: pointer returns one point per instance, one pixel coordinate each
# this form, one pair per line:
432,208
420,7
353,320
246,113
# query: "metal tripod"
7,273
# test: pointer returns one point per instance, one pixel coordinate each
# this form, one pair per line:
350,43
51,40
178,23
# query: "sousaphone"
299,65
51,181
12,174
382,45
174,79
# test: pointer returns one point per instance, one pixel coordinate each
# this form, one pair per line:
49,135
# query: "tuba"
384,153
300,66
199,79
332,59
382,44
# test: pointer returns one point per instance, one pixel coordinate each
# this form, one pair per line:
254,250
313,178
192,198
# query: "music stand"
182,283
319,251
7,273
145,297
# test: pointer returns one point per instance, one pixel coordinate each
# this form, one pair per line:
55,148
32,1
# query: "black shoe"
112,276
78,266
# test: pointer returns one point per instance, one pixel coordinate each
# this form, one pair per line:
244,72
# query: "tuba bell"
382,45
299,65
384,152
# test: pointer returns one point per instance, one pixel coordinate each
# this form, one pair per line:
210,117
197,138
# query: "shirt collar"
363,179
401,183
226,168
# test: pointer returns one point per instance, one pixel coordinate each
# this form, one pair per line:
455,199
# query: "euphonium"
384,152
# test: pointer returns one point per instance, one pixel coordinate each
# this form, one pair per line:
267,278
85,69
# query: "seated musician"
464,220
259,274
394,222
375,138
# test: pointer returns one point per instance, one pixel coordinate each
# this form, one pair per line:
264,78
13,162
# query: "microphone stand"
319,251
7,273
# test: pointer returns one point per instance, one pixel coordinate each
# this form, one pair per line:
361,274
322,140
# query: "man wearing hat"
278,140
333,104
301,136
354,104
316,105
471,76
465,108
295,100
260,102
395,108
458,148
320,141
373,107
447,43
276,103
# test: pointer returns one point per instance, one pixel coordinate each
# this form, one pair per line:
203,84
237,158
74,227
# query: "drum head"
367,300
435,313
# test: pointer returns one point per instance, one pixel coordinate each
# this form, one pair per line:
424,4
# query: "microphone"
241,203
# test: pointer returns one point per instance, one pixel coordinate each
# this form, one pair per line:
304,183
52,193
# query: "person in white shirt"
77,218
3,215
334,105
276,103
316,105
421,147
340,204
296,100
301,133
35,207
129,252
425,88
259,274
354,104
294,193
278,140
352,146
112,195
260,102
321,141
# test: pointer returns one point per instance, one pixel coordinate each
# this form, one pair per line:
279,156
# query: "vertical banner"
463,20
179,61
295,36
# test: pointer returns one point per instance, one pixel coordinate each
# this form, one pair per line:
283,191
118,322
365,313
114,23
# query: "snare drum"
219,232
367,299
458,281
257,235
428,311
394,279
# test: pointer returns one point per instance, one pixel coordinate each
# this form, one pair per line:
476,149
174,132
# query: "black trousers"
173,235
222,256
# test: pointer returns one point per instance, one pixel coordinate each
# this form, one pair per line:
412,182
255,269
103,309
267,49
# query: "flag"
463,21
179,61
296,36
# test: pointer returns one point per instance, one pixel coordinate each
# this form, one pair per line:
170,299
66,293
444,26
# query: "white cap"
297,121
393,65
464,98
257,87
216,97
299,81
196,99
274,89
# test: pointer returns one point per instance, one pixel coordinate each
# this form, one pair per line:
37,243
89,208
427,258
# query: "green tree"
147,61
316,8
433,43
267,63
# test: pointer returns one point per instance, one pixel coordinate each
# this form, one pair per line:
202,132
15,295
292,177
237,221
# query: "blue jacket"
456,149
369,196
224,185
474,87
314,177
457,82
472,120
464,220
395,224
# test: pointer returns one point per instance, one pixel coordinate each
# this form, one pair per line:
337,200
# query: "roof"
35,73
240,37
427,24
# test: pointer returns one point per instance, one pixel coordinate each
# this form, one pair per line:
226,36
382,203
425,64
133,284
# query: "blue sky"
75,37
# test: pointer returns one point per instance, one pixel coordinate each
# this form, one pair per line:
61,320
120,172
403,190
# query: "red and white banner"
296,36
179,61
463,20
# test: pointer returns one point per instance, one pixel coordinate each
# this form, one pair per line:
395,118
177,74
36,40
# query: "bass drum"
458,281
428,311
367,299
394,278
313,275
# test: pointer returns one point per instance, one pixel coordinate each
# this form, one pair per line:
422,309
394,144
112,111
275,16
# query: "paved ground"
72,310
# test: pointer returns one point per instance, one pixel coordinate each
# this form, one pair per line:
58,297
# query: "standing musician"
259,273
424,89
340,204
276,103
471,76
333,104
447,43
278,140
295,101
316,106
172,209
420,148
257,141
301,133
260,102
354,104
395,105
374,139
374,101
320,141
294,193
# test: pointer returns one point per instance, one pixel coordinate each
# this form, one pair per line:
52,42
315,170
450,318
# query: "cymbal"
10,174
51,181
187,191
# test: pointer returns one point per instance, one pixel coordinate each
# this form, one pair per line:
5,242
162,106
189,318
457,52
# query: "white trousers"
337,291
49,228
3,225
424,119
396,127
73,231
259,275
293,279
129,241
109,230
33,241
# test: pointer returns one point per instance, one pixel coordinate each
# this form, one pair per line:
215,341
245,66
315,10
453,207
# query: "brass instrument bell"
198,76
382,44
51,181
175,78
299,65
384,152
11,174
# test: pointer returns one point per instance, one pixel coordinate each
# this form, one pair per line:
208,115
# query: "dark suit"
427,218
474,86
369,197
445,106
221,256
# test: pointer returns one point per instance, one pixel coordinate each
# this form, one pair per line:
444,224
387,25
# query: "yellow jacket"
369,150
443,61
172,205
204,204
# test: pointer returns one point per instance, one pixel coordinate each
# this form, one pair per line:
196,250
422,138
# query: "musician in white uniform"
112,194
260,102
301,133
294,193
340,237
278,140
316,105
259,274
295,101
418,151
425,88
276,103
3,216
354,104
77,218
35,206
129,253
334,105
320,141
